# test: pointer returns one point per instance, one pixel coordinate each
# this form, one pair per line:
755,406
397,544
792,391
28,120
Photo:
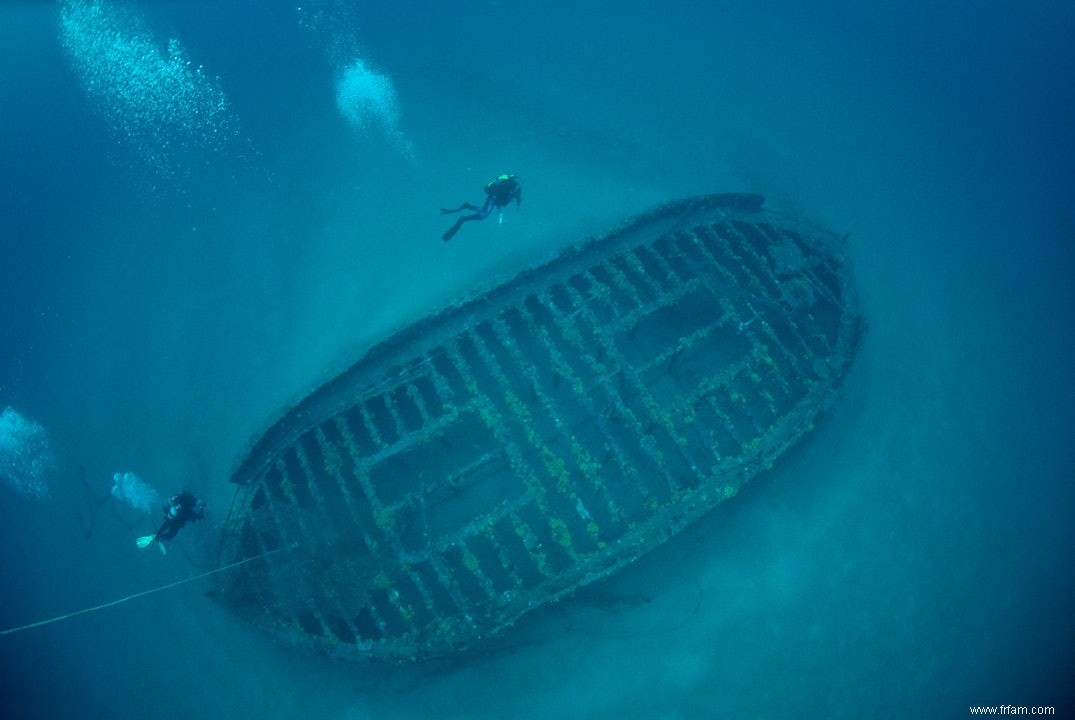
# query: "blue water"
209,208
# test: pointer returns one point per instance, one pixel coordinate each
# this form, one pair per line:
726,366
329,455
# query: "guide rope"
95,608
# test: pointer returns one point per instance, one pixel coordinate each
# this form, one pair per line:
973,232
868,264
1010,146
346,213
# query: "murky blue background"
209,208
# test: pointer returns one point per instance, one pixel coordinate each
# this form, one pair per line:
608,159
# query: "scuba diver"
498,193
178,511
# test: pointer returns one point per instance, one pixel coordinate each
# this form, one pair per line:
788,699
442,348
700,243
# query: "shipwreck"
508,450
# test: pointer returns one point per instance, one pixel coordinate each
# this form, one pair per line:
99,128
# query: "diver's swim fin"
145,540
453,230
164,550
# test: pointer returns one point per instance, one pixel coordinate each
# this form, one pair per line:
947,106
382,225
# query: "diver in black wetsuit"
181,509
178,511
498,193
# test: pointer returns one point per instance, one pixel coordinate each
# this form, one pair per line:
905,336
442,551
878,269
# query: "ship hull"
509,450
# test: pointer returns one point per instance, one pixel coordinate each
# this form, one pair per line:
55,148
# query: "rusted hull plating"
507,451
